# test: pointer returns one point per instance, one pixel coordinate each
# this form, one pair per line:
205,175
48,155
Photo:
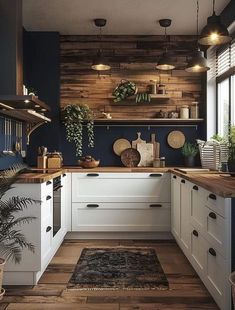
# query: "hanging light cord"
197,18
165,41
100,38
213,6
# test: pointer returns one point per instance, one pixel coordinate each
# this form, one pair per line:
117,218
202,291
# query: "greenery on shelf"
189,149
75,115
12,241
124,90
219,138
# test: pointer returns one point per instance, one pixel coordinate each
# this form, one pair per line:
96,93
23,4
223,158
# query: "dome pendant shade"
165,63
214,33
99,63
198,63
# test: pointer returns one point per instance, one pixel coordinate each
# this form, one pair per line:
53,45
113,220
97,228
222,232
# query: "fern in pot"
12,241
189,151
75,116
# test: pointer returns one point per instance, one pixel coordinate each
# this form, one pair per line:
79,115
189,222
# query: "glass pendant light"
198,62
99,63
214,33
165,63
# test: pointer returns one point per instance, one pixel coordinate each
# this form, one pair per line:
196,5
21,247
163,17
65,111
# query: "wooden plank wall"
133,58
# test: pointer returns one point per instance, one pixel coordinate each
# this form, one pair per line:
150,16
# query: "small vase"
189,161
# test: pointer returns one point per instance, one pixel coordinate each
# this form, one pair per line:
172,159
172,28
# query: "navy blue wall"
41,67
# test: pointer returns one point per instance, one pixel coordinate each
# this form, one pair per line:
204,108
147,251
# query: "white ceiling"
124,17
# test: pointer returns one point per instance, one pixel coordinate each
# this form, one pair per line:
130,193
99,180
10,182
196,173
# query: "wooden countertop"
218,183
221,184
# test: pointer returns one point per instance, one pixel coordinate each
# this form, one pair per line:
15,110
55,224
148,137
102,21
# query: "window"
225,86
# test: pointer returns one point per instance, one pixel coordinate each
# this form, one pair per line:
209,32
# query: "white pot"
2,263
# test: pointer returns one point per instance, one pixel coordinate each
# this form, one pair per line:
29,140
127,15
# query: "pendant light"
214,33
165,63
99,63
198,62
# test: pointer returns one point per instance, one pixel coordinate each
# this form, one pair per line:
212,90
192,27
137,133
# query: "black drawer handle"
212,196
48,183
155,205
195,233
48,228
92,205
174,176
212,215
195,188
155,175
48,197
64,175
212,251
182,181
92,174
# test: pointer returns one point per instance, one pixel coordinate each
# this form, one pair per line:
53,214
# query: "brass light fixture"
198,62
99,63
214,33
165,63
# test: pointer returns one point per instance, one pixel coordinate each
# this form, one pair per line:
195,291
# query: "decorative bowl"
89,164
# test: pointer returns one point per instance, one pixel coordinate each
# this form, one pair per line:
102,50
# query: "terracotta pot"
2,263
189,161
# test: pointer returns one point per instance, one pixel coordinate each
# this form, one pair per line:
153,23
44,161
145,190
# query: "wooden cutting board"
146,154
156,146
138,140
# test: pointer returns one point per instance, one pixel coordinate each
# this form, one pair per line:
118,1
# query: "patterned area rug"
118,269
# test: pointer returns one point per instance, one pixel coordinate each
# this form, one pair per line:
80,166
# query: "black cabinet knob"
48,183
92,205
48,228
64,175
182,181
195,188
155,205
195,233
174,176
155,175
212,251
92,174
48,197
212,196
212,215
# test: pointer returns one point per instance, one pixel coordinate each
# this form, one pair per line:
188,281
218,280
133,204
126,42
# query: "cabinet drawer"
216,203
46,237
121,187
197,206
46,208
46,188
197,248
120,217
215,230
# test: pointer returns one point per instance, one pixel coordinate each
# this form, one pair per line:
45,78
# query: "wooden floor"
186,290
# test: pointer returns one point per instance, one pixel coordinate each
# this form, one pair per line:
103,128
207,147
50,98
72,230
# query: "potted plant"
75,116
12,241
189,151
231,150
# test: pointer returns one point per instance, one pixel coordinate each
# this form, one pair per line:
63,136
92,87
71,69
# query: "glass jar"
162,162
194,110
184,112
161,89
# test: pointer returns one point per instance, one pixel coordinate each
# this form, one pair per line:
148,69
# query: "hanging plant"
75,115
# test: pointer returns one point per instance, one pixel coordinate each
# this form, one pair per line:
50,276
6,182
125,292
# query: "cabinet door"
198,251
175,206
197,206
185,214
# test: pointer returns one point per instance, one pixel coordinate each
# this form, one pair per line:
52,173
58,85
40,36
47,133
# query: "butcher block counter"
218,183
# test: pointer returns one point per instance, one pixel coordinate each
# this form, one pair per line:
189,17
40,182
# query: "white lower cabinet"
205,236
175,206
39,232
121,202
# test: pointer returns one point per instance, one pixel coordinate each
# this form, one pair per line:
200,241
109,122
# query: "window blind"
225,59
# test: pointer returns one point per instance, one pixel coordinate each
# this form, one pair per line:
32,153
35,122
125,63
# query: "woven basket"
212,154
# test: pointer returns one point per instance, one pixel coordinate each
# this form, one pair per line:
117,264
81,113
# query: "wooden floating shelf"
151,120
23,102
26,115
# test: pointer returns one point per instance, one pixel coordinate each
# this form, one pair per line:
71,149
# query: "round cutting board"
176,139
130,157
120,145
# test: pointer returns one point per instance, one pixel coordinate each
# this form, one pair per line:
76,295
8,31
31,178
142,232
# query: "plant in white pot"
189,151
12,241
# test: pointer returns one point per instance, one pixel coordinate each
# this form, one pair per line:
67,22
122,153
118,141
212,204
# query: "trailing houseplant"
12,241
124,90
75,115
231,150
189,151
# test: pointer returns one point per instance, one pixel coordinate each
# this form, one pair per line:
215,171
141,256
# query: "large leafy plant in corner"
12,241
75,116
